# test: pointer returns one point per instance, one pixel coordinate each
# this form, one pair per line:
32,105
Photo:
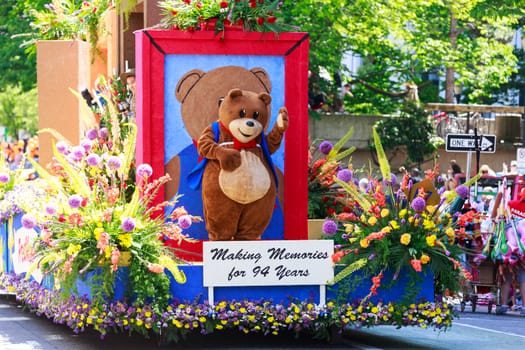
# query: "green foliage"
19,110
411,129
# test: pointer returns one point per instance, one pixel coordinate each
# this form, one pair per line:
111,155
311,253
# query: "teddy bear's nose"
250,123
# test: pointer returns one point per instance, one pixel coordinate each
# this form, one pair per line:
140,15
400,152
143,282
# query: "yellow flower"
364,243
431,240
386,229
349,228
425,259
428,224
372,220
402,213
125,240
375,310
450,232
405,238
394,224
72,249
363,218
385,212
97,232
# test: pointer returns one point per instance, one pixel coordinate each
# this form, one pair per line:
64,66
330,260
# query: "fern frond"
129,150
54,133
381,156
350,269
339,144
355,194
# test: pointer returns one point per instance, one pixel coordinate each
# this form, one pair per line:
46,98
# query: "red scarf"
238,144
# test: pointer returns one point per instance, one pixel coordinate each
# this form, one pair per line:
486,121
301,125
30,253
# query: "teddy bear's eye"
242,113
255,115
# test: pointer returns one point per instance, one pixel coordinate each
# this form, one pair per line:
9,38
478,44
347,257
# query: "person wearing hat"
513,168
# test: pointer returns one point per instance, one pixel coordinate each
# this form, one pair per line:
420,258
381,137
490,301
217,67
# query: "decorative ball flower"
144,170
462,191
345,175
325,147
418,204
75,201
4,177
93,159
86,144
114,162
62,147
128,224
185,221
103,133
28,221
92,134
51,208
78,153
329,227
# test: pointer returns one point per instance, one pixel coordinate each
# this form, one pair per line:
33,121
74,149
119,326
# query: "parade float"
110,235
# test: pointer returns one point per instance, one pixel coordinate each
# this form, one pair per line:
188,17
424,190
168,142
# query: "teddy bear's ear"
186,83
262,75
265,98
233,93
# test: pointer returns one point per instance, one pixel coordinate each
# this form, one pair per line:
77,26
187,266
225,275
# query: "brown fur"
227,219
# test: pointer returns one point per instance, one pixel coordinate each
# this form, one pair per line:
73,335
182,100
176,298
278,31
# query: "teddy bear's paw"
229,159
249,182
282,118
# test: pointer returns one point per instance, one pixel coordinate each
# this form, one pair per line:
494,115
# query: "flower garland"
177,320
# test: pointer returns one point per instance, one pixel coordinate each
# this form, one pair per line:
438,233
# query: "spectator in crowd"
451,178
486,170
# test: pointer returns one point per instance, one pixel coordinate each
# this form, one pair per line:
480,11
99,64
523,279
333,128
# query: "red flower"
416,264
253,4
260,21
271,19
199,5
224,4
187,1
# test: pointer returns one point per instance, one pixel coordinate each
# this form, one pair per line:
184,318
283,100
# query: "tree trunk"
449,78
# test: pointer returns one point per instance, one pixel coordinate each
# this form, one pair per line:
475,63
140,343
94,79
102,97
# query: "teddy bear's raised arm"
275,136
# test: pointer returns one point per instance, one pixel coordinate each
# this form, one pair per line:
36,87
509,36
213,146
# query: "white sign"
267,263
469,143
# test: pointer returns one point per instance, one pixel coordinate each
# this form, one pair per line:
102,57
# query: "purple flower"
28,221
93,159
4,177
86,144
62,147
462,191
144,170
92,134
329,227
345,175
51,208
418,204
114,162
75,200
128,224
185,221
325,147
78,153
103,133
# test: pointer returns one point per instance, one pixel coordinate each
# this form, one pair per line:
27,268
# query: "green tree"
19,110
401,41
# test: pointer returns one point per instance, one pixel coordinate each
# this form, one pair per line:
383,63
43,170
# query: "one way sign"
467,143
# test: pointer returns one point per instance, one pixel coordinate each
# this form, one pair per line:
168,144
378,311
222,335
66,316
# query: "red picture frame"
152,48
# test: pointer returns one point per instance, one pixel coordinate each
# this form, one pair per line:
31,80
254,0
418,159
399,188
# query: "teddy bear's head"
199,92
245,113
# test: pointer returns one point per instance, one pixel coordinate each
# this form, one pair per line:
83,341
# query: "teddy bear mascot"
239,183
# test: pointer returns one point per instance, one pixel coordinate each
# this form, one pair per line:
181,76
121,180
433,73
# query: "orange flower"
416,264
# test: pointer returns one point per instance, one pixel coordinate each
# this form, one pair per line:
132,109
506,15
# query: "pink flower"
155,268
416,264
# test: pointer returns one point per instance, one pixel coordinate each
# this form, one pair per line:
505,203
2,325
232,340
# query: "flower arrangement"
325,196
72,20
191,15
178,320
398,231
